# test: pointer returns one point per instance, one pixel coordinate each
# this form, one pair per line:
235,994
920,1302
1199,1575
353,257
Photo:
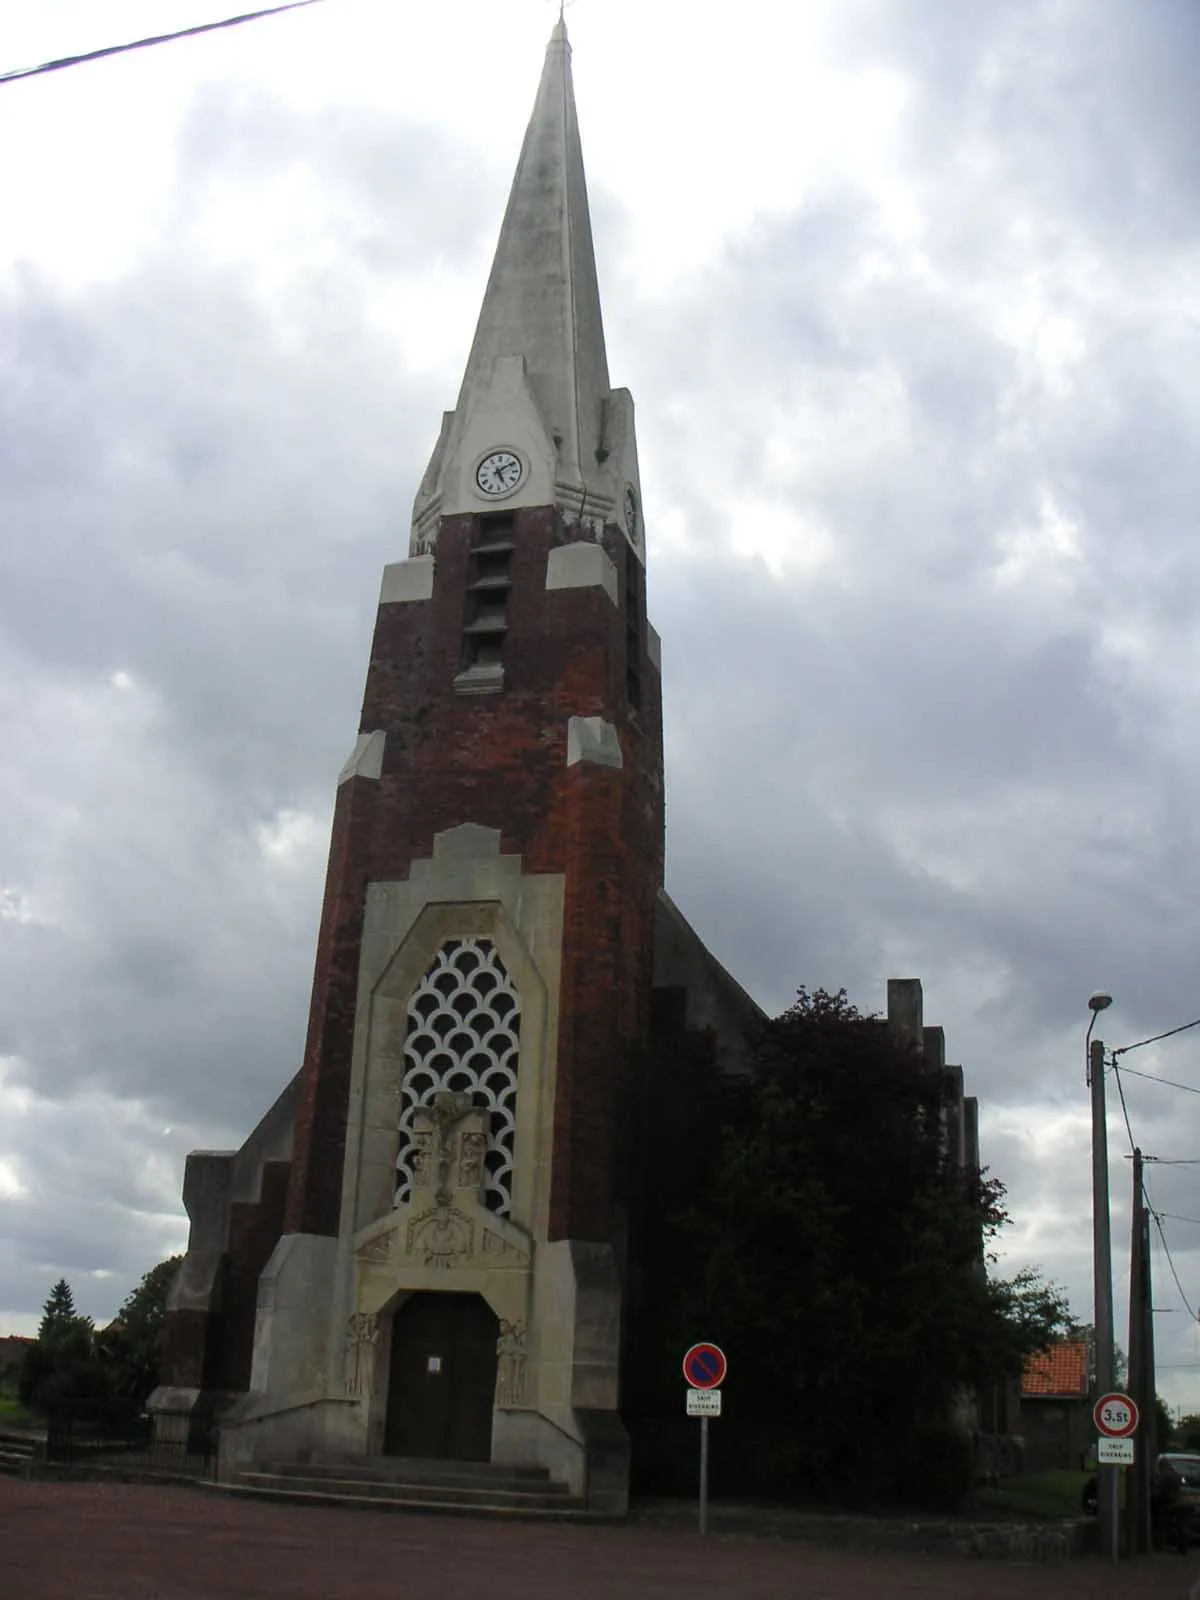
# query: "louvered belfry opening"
489,581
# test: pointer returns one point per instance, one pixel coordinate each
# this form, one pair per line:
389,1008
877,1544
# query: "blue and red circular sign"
705,1366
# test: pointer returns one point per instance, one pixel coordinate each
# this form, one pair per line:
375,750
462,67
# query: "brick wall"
254,1230
499,760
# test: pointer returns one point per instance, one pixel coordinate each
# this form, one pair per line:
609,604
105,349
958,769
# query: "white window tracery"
463,1035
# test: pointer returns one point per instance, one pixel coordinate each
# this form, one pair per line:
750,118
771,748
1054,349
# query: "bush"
935,1472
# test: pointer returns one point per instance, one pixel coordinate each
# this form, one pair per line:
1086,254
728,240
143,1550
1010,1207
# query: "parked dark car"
1187,1469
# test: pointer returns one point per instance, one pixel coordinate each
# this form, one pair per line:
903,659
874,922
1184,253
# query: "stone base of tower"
570,1423
445,1367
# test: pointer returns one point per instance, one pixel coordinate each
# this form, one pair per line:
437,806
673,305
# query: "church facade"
421,1250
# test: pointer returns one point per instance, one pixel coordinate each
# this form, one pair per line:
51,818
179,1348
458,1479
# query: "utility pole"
1107,1514
1141,1368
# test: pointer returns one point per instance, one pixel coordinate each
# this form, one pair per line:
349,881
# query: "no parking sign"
705,1366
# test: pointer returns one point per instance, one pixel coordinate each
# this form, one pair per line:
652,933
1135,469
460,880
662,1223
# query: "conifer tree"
58,1314
61,1364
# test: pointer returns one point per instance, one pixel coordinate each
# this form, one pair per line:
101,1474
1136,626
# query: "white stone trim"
406,581
466,842
366,759
654,648
487,679
582,566
404,926
593,739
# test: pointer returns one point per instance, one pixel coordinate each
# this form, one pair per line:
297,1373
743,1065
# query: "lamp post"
1106,1476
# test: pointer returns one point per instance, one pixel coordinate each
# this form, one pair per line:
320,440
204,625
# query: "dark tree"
1164,1425
130,1346
833,1245
61,1364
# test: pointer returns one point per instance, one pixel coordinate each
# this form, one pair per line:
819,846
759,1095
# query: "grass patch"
1037,1494
14,1414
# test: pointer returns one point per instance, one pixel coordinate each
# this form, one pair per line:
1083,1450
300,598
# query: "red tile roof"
1060,1370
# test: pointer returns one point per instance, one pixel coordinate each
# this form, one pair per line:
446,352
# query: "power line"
1167,1252
1145,1190
1154,1038
158,38
1151,1078
1172,1216
1124,1107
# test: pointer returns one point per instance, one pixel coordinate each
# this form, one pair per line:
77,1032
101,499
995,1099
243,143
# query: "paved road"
125,1542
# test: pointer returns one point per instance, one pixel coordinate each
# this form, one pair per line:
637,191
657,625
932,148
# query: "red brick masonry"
500,761
124,1542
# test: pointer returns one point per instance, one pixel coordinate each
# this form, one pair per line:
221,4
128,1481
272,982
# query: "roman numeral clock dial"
499,473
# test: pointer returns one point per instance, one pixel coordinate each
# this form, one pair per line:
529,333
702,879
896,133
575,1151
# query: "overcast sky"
908,296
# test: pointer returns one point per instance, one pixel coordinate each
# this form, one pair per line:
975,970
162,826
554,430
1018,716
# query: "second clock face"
499,472
631,513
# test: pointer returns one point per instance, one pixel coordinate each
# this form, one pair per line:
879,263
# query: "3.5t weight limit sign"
705,1366
1116,1416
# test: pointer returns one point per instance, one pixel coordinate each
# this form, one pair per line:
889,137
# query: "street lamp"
1106,1476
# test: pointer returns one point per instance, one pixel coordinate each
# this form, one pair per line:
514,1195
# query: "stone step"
550,1496
566,1510
426,1471
16,1456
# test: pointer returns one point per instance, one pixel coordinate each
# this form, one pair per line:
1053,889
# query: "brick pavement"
95,1541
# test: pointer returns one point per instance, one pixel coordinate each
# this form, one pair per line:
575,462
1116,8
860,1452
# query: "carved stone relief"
376,1252
510,1365
442,1235
423,1157
362,1336
500,1252
472,1147
447,1148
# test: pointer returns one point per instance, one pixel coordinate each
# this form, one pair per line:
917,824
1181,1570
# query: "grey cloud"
1085,109
397,193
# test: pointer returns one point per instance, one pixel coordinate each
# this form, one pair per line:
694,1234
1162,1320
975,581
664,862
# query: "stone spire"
537,375
542,299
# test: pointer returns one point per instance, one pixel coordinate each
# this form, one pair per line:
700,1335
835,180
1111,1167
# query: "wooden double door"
442,1378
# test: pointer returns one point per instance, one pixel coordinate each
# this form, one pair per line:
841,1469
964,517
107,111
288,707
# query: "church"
422,1251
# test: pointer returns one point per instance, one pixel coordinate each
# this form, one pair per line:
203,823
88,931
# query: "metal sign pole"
704,1367
1114,1511
703,1474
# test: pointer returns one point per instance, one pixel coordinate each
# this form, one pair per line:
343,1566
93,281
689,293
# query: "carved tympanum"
442,1236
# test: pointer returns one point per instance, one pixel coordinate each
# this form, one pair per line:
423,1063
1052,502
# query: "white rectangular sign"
1114,1452
704,1402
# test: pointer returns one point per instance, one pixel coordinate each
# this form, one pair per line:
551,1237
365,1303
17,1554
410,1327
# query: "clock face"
631,512
499,472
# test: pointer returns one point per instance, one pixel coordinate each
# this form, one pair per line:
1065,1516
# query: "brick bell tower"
448,1278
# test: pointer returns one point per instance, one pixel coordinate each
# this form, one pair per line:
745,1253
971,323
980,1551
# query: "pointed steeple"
539,342
542,300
